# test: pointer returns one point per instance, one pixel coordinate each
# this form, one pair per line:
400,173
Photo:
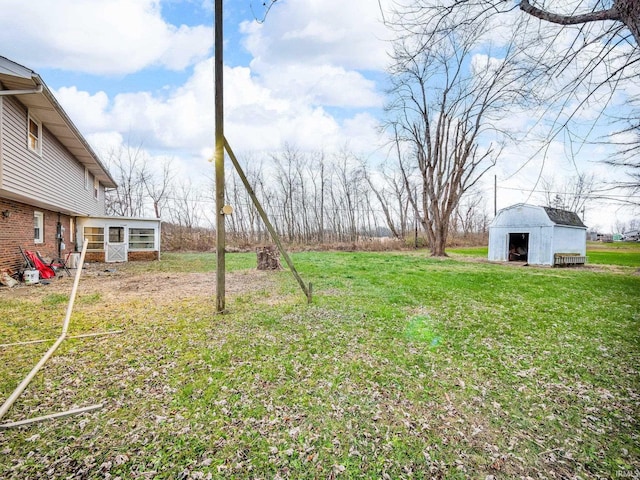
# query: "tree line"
310,197
458,74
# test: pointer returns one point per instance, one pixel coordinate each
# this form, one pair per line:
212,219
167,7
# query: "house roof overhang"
44,106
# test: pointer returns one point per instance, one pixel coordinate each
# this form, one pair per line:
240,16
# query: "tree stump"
268,258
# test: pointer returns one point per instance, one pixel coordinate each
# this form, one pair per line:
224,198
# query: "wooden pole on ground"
65,328
219,160
307,290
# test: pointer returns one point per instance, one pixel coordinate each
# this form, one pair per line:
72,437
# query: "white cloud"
112,37
256,118
302,86
105,142
363,134
482,62
323,85
318,32
84,109
316,52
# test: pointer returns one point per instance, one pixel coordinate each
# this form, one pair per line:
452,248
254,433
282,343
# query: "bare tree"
573,193
185,209
316,173
587,55
625,12
126,164
554,35
289,189
385,205
470,215
626,160
446,107
158,185
348,193
310,198
581,55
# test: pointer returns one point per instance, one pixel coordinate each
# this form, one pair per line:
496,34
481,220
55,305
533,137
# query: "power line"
594,194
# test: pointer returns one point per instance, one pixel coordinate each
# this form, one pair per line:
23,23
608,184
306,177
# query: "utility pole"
219,160
495,195
221,144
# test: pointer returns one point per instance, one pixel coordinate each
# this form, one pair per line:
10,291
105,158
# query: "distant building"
632,236
536,235
604,237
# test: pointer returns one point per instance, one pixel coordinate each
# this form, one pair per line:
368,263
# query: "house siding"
56,178
17,230
1,136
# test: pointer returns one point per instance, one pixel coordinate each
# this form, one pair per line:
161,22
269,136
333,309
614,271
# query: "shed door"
518,247
116,245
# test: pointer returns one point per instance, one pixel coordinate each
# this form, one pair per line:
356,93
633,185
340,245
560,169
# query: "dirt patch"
120,283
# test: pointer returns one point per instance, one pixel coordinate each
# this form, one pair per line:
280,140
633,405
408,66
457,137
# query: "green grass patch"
404,366
470,251
628,257
55,299
621,253
421,329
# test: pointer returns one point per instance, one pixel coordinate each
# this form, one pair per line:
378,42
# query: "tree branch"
609,14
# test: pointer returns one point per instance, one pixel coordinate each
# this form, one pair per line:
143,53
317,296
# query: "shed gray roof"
564,217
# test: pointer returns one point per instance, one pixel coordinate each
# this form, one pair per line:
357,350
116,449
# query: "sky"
311,75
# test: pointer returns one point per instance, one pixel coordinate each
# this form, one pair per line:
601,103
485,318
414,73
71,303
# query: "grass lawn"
404,366
620,253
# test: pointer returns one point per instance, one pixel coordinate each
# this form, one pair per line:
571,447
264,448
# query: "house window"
96,187
142,238
34,135
38,227
95,237
86,178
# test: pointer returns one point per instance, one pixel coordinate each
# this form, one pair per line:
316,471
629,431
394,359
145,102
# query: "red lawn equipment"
32,259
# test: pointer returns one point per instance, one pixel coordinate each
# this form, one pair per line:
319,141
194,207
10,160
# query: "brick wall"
143,256
17,230
94,257
131,256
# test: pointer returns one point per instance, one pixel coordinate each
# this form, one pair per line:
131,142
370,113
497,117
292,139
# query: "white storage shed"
538,236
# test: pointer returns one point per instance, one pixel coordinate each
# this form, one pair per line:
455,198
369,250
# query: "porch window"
116,234
142,238
38,227
34,137
95,236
